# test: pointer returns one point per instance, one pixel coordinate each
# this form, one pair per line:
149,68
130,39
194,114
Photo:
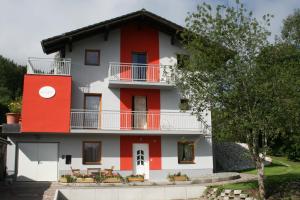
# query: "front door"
92,115
139,112
139,67
141,159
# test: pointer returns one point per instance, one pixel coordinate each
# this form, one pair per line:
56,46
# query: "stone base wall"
230,156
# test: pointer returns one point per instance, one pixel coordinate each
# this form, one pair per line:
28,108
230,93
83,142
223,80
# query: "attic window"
92,57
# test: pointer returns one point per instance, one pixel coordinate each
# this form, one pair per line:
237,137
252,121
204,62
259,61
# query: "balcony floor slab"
139,132
140,84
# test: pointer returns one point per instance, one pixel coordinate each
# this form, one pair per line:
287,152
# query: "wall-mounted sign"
47,92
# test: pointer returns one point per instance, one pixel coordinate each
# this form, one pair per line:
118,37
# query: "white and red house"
109,100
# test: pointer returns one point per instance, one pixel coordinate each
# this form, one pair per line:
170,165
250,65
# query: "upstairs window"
184,104
92,57
186,152
182,60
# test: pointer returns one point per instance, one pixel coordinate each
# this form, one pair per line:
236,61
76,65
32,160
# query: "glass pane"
140,58
92,102
139,69
91,152
92,57
91,118
185,152
180,152
188,152
142,162
142,157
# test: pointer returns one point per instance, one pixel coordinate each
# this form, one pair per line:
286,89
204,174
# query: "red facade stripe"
153,105
126,144
143,39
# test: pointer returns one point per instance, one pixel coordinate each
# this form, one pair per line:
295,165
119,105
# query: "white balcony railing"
49,66
154,73
116,120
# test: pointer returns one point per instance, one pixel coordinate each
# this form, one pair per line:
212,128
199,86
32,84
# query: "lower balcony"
139,122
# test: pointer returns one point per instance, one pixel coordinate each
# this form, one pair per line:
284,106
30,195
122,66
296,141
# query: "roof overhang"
4,141
144,17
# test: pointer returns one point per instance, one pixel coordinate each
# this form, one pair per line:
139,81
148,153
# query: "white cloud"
24,23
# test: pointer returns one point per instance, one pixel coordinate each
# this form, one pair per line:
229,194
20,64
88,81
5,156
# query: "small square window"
184,105
186,152
92,57
182,60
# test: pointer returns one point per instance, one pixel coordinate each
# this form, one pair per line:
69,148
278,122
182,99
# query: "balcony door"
92,106
139,109
139,67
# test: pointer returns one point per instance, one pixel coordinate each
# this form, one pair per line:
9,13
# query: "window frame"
98,162
193,149
181,59
98,58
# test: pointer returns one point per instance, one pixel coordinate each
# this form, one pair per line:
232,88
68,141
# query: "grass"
279,173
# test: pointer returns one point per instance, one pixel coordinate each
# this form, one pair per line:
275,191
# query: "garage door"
37,161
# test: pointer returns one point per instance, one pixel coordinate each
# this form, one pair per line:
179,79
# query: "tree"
225,74
291,28
11,84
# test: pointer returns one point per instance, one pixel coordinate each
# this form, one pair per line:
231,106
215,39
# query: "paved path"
46,190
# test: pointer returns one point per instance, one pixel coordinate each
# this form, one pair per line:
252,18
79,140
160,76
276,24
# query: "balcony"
146,122
134,75
49,66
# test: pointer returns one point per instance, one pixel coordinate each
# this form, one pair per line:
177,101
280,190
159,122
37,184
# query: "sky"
24,23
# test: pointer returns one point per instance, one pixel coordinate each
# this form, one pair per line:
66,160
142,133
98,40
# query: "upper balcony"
135,75
106,121
49,66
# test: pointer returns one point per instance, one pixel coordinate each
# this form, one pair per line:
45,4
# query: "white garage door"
37,161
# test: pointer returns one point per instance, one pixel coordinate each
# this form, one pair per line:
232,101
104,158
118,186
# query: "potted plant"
63,179
135,178
178,177
15,107
67,179
115,178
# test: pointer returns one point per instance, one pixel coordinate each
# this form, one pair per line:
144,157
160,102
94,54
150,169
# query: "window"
139,71
92,118
186,152
91,153
182,60
184,105
92,57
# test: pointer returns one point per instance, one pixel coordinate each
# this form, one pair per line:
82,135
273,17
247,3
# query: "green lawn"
281,172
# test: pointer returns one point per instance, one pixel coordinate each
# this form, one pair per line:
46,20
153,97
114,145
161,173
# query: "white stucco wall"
170,99
72,145
203,152
94,79
110,151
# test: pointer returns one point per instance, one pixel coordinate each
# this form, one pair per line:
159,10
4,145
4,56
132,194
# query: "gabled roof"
143,16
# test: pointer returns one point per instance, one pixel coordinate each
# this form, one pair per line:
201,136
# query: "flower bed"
112,179
67,179
178,177
135,178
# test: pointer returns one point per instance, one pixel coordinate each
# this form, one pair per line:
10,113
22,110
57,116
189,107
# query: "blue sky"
24,23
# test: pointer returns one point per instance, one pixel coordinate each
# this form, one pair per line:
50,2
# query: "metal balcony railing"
49,66
141,72
116,120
